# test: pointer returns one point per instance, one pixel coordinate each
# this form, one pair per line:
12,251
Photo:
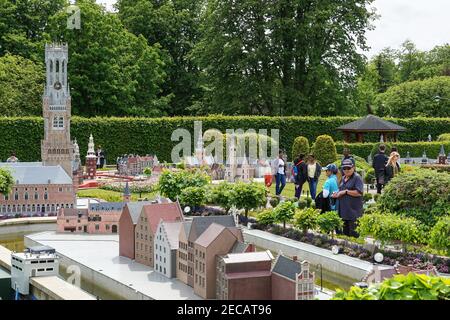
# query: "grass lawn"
111,196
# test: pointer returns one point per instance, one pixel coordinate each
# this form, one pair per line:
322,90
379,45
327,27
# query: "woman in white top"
280,174
314,171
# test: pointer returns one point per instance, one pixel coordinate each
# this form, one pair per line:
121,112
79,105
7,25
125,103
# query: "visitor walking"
350,196
100,158
379,166
280,174
392,166
348,155
12,158
314,170
330,186
300,169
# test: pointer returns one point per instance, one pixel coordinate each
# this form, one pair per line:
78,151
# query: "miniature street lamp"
378,257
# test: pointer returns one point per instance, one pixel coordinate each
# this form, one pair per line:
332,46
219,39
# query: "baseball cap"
332,167
347,163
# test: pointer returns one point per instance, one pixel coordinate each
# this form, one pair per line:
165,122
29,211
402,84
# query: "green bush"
387,227
306,219
193,196
444,137
6,181
274,201
300,146
324,150
367,197
172,183
222,195
440,235
118,136
248,196
148,171
266,217
400,287
302,203
415,149
284,212
370,176
330,221
422,194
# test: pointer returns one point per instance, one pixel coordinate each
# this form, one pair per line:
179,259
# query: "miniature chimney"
295,258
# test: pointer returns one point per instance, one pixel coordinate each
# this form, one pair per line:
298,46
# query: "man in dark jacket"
379,166
301,176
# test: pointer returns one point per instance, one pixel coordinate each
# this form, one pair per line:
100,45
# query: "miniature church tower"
231,170
57,148
91,159
126,193
442,159
76,166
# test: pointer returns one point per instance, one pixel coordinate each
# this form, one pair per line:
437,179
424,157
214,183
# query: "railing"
57,108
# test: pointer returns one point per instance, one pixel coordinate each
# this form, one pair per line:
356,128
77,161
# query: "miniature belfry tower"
91,159
57,148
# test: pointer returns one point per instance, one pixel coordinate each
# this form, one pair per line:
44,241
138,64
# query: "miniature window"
36,196
26,196
61,122
16,196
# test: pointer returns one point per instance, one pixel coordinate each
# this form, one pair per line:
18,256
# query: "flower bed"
418,260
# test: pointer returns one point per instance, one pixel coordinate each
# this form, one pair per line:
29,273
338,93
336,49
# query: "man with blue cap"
350,197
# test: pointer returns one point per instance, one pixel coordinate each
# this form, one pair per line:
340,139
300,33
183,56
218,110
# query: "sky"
424,22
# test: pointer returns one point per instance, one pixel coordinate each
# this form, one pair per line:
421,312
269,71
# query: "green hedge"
415,148
152,135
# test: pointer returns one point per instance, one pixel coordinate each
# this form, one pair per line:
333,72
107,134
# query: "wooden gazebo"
388,131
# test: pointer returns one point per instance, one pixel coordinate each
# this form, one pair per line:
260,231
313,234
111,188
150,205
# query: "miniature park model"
201,252
207,253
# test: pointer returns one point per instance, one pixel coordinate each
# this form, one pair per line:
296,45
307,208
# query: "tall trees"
24,26
281,57
174,25
112,72
21,85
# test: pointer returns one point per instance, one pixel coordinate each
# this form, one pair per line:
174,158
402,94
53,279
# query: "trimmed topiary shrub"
300,145
324,150
172,183
388,227
306,219
329,221
422,194
440,235
193,196
444,137
266,217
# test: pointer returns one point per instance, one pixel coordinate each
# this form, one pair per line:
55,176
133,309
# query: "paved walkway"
100,253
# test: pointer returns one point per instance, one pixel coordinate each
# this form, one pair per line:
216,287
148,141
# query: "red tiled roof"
165,211
211,233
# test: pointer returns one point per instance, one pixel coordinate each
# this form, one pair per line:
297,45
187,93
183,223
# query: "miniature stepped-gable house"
127,224
146,228
292,280
166,248
189,232
215,240
244,276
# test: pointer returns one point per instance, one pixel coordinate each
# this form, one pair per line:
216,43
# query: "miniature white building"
39,261
166,247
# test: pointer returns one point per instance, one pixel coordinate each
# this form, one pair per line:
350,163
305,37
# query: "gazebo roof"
371,123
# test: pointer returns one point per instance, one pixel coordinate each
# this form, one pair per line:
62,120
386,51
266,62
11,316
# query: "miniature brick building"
91,159
44,187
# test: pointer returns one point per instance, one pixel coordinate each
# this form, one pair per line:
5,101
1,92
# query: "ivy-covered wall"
118,136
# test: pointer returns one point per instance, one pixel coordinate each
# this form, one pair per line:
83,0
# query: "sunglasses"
347,168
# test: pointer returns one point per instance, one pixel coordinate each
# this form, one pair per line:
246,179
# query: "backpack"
323,204
294,171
